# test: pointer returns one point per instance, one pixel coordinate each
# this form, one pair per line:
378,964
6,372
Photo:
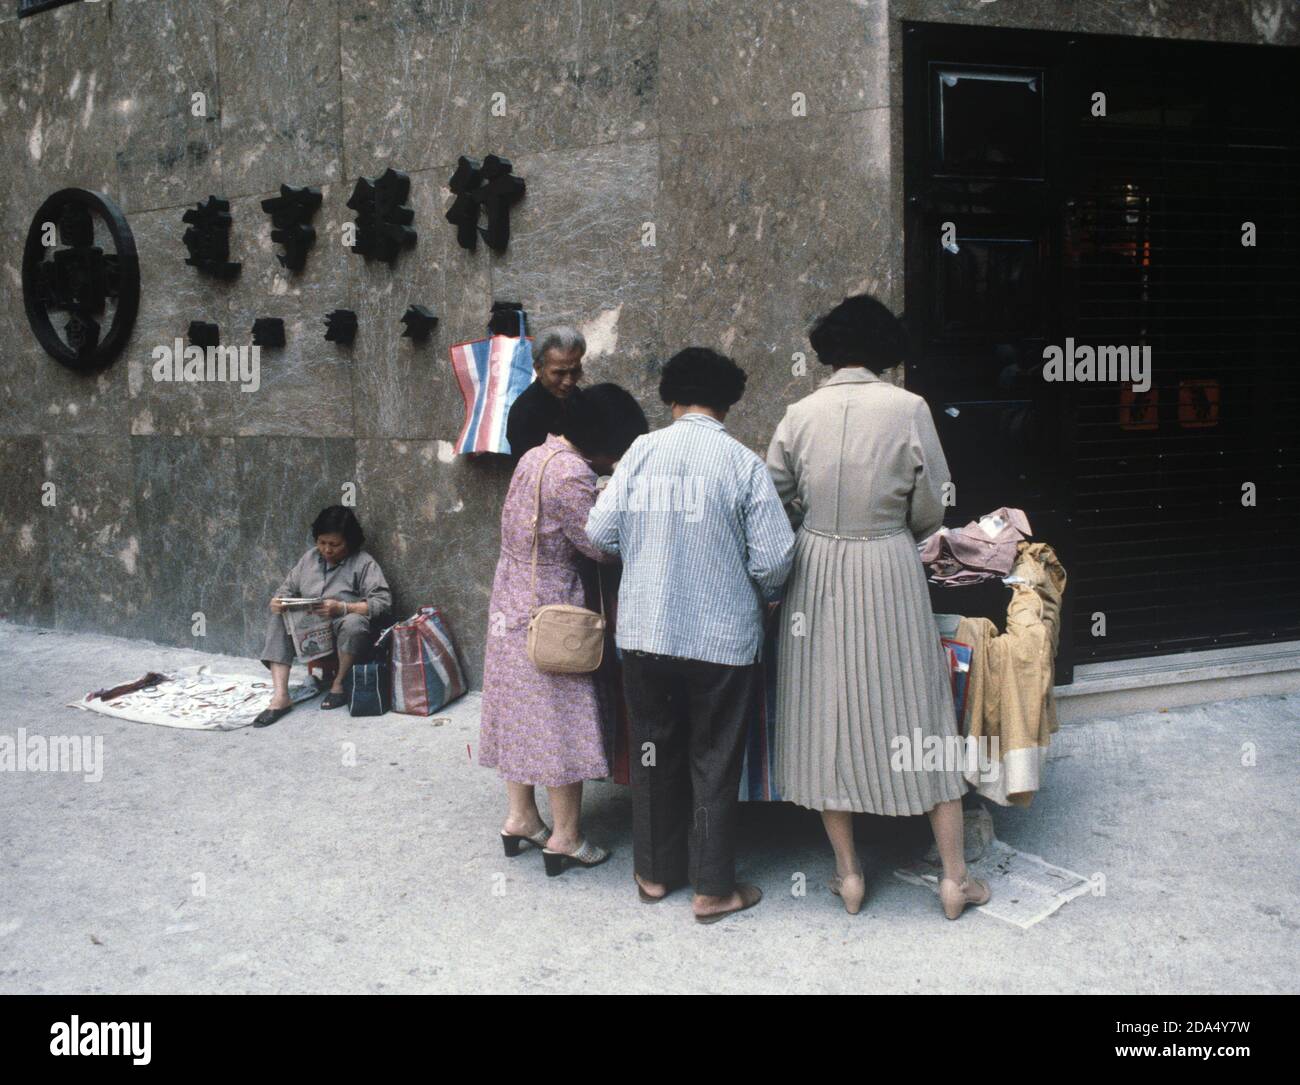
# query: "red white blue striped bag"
426,672
491,374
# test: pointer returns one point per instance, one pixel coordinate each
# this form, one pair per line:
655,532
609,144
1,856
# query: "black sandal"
269,715
333,700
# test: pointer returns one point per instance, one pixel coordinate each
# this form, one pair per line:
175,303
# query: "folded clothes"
982,550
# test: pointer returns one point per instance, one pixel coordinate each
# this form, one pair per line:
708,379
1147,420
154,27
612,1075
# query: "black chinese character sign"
208,238
80,278
490,187
419,322
341,326
291,214
383,218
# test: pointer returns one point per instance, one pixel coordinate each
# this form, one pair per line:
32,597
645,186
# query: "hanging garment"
491,373
1009,693
982,550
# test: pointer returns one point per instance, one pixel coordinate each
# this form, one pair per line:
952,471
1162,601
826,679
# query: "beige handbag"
562,639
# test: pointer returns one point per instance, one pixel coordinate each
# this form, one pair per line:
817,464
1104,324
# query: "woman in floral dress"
539,728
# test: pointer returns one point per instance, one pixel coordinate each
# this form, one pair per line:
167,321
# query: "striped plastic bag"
491,374
426,673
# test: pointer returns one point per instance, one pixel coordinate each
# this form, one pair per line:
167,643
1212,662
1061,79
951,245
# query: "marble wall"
758,141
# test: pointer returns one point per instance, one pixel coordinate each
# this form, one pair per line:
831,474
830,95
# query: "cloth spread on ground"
196,699
982,550
1026,888
1009,692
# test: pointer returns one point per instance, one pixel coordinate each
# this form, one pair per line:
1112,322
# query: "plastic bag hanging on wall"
491,374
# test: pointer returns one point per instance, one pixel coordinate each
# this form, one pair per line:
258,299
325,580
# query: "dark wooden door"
1029,219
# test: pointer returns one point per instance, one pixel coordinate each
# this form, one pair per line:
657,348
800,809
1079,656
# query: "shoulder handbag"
562,639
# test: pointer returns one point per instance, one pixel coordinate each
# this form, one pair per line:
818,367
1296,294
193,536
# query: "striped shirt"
704,541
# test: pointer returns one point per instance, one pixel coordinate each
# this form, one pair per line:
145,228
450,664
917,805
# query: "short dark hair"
341,520
859,331
699,377
605,419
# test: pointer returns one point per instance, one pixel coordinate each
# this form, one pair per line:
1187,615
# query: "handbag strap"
537,516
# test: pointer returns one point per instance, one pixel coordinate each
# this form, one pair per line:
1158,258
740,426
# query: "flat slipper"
647,898
269,715
836,886
333,700
716,916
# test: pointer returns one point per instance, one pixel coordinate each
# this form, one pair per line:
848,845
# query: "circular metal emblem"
66,270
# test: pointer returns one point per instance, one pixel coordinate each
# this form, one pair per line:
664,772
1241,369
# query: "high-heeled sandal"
851,905
956,896
514,843
587,855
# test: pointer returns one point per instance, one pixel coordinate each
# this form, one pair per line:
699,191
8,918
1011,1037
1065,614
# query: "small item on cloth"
372,692
149,680
984,549
491,373
426,674
562,639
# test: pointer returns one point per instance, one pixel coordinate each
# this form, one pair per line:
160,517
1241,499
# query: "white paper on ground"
196,699
1026,888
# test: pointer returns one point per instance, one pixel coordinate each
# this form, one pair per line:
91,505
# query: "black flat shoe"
333,700
269,715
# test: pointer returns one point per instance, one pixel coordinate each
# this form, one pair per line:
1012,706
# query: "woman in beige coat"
861,677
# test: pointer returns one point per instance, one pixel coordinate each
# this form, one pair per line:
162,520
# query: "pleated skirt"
860,674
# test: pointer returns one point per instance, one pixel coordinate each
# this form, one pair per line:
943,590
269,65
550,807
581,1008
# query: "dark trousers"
695,716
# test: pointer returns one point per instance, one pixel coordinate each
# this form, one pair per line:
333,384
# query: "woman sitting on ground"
353,594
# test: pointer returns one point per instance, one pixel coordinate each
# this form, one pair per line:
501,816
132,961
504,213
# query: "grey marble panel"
162,54
96,563
1029,14
433,521
26,593
420,80
570,74
765,228
411,83
1207,20
578,254
60,123
402,388
306,387
187,509
37,393
57,117
281,110
283,483
730,62
171,296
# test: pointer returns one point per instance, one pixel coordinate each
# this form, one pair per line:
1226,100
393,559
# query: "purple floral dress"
540,728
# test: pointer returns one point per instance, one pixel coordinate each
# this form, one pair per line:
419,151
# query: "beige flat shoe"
749,896
852,889
956,896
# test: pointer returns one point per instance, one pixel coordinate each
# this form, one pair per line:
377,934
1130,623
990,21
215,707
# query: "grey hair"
564,339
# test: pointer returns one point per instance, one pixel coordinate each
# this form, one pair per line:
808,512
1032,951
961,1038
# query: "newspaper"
1026,889
312,634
